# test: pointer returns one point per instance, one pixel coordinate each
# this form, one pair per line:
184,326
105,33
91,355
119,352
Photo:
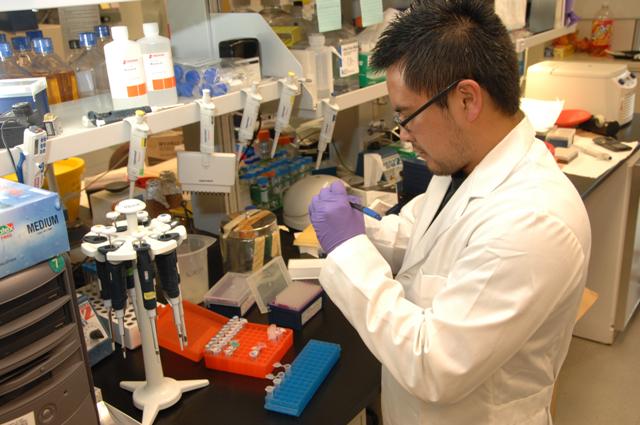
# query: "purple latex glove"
333,218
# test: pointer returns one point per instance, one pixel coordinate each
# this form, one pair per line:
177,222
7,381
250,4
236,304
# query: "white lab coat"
476,323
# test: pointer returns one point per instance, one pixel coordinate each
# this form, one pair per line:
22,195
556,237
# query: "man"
467,297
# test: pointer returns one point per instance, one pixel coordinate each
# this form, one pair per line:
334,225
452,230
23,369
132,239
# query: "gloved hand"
333,218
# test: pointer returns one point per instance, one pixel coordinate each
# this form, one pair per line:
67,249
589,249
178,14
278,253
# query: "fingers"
338,188
354,199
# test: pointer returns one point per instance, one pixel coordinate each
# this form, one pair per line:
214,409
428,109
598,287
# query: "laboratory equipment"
89,66
345,59
298,198
104,36
230,296
125,70
117,245
366,211
194,267
95,334
305,268
600,88
8,66
288,303
206,171
45,369
137,149
294,390
283,115
31,90
324,65
33,159
32,227
249,239
23,55
245,348
158,66
329,115
61,80
249,118
74,51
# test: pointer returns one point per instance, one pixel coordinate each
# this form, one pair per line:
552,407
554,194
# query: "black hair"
436,42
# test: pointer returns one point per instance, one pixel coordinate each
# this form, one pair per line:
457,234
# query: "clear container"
249,240
345,66
24,56
89,67
601,29
104,36
158,66
194,267
61,80
125,69
8,66
324,65
74,51
232,290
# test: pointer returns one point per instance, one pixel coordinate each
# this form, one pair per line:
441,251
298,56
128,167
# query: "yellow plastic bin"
68,174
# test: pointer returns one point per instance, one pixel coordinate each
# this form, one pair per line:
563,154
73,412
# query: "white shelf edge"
11,5
81,141
360,96
524,43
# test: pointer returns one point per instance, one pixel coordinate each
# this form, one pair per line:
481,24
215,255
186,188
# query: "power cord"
4,143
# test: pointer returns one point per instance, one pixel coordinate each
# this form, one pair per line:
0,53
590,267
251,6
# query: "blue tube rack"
300,383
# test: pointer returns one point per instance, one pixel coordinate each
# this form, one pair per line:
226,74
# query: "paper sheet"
329,15
371,11
587,166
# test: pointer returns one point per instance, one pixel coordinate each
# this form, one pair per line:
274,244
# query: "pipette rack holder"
301,381
157,391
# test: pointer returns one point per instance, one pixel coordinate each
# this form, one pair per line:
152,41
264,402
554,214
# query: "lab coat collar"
494,168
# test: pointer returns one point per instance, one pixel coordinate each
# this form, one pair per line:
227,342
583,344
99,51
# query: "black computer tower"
44,374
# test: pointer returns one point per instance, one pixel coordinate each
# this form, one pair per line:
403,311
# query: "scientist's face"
434,134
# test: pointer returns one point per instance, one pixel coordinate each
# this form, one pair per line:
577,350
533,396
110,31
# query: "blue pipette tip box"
300,383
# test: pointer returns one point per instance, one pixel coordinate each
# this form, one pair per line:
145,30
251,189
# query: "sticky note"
371,11
329,15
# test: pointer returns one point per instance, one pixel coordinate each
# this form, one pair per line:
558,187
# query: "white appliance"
606,89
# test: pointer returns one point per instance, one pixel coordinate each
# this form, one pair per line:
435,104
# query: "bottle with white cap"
125,70
324,65
158,66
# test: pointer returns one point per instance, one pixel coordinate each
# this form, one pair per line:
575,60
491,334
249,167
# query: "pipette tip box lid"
289,303
230,296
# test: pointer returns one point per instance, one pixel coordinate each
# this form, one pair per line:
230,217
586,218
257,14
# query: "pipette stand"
157,392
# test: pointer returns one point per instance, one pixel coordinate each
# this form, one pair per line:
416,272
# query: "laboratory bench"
612,201
351,386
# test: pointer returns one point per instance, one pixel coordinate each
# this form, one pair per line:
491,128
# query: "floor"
600,384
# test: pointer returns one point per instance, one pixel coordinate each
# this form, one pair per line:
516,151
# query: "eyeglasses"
403,123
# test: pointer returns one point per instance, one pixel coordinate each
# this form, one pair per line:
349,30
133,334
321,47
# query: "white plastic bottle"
126,71
158,66
324,65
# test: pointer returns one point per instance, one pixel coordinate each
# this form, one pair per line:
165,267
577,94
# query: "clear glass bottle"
91,73
104,37
8,66
23,54
74,51
61,80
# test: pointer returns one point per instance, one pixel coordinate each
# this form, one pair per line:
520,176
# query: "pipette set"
127,254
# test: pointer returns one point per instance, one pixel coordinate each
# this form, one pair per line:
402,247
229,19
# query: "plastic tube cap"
20,43
316,40
120,32
87,39
102,31
5,51
32,35
42,45
150,29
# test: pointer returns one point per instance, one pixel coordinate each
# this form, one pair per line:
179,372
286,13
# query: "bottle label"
159,70
349,59
128,76
601,32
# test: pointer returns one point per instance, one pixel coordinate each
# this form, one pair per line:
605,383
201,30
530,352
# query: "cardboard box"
162,146
32,227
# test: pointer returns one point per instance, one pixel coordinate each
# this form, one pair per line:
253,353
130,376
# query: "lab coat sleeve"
505,283
391,234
